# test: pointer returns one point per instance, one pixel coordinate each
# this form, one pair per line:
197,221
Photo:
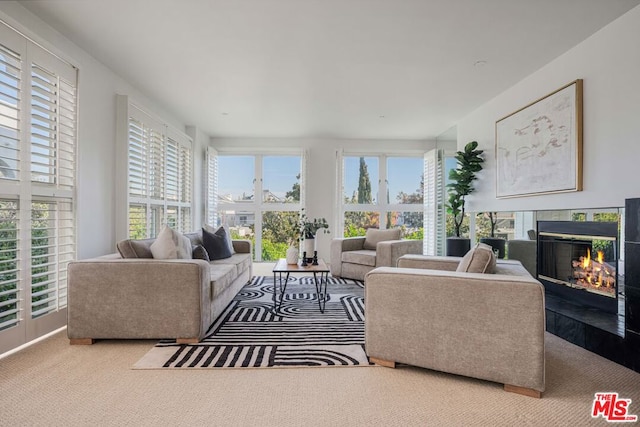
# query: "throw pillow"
135,248
227,231
480,259
170,244
199,252
216,244
375,235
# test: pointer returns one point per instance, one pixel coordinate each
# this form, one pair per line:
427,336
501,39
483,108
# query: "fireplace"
578,261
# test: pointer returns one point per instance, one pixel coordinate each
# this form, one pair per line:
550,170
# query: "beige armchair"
488,326
354,257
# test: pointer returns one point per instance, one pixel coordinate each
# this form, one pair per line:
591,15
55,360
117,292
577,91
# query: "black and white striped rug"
249,334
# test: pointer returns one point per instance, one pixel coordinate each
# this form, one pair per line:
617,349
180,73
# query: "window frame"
258,207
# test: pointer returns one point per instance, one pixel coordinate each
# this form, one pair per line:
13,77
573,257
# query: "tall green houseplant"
469,163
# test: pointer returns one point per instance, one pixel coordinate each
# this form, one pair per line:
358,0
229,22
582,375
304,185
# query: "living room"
603,56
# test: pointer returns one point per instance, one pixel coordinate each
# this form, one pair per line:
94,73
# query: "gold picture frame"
539,147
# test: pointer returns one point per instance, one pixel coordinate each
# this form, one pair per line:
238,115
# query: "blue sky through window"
236,175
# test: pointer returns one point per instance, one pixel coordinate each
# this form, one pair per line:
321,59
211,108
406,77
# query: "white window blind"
52,247
38,133
138,159
9,264
10,105
434,203
159,179
211,200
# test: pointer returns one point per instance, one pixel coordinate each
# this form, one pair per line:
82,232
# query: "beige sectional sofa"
142,298
487,326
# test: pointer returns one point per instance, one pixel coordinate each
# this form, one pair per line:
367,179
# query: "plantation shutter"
138,159
186,187
52,247
9,264
156,164
10,106
11,288
38,132
434,203
53,120
211,199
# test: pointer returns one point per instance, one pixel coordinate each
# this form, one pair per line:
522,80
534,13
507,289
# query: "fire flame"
586,262
596,273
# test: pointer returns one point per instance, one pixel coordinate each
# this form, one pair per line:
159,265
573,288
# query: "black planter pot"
458,246
497,243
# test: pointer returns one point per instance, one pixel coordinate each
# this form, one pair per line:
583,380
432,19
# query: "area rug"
250,334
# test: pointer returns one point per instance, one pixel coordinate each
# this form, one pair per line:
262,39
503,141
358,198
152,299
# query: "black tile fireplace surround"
613,336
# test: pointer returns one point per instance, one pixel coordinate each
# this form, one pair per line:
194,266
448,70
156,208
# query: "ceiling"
378,69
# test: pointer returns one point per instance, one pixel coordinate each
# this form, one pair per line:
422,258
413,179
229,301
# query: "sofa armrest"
242,246
340,245
428,262
138,298
487,326
389,251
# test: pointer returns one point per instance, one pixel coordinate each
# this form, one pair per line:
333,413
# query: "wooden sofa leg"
187,340
523,390
81,341
382,362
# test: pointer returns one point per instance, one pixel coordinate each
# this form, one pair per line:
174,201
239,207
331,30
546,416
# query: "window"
258,196
38,121
382,192
159,174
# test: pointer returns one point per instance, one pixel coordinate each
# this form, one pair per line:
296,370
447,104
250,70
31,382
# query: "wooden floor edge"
523,391
81,341
382,362
187,340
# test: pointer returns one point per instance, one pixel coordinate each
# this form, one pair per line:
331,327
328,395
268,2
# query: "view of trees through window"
399,179
268,221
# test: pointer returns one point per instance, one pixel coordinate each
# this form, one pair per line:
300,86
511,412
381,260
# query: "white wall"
322,168
97,89
609,64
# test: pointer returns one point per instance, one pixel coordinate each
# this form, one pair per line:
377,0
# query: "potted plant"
497,243
469,163
306,229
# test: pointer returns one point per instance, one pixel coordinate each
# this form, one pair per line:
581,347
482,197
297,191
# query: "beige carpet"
52,383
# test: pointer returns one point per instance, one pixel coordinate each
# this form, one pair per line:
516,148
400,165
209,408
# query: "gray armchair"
354,257
525,251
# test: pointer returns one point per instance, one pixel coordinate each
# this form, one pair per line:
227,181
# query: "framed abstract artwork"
539,147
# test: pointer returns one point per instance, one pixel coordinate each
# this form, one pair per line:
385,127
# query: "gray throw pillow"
135,248
480,259
211,229
199,252
375,235
216,244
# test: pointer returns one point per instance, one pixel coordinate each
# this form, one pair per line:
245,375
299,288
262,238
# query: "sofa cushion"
480,259
363,257
222,275
216,244
171,244
375,235
227,231
135,248
240,261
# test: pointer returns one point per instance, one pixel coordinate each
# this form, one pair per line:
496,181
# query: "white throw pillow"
170,244
213,230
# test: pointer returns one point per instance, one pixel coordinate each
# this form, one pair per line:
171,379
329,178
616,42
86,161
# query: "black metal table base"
320,280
